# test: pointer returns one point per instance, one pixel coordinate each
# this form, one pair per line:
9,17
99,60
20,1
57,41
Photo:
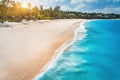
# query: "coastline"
32,42
62,48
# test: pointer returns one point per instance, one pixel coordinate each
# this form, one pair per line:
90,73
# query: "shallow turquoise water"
96,57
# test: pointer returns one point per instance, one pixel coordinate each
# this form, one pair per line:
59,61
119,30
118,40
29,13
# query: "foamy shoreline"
25,49
62,49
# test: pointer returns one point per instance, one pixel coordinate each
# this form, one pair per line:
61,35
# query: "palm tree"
56,12
29,8
4,6
35,12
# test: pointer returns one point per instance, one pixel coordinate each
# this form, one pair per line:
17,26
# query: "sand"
26,47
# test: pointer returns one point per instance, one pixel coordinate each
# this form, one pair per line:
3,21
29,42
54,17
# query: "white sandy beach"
25,48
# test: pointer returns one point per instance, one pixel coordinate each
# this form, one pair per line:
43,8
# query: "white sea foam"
61,49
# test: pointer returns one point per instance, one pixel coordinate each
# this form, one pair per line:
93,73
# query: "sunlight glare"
24,5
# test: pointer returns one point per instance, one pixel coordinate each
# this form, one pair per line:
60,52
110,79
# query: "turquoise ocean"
95,57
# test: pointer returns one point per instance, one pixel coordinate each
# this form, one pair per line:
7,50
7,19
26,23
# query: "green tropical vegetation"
13,11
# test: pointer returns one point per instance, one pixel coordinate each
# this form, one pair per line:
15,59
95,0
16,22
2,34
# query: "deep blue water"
96,57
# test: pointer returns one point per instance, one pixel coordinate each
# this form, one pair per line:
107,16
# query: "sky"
104,6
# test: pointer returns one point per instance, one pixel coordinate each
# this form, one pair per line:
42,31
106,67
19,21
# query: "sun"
24,5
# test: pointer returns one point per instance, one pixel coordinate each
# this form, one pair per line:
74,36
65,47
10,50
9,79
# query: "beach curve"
25,49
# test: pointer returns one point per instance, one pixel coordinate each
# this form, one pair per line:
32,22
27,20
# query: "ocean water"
95,57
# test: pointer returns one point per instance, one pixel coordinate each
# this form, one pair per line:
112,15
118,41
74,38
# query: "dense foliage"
13,11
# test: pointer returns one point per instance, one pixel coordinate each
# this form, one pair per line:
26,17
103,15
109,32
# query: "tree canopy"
13,11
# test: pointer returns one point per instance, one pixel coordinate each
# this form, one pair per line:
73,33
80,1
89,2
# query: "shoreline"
26,49
58,52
